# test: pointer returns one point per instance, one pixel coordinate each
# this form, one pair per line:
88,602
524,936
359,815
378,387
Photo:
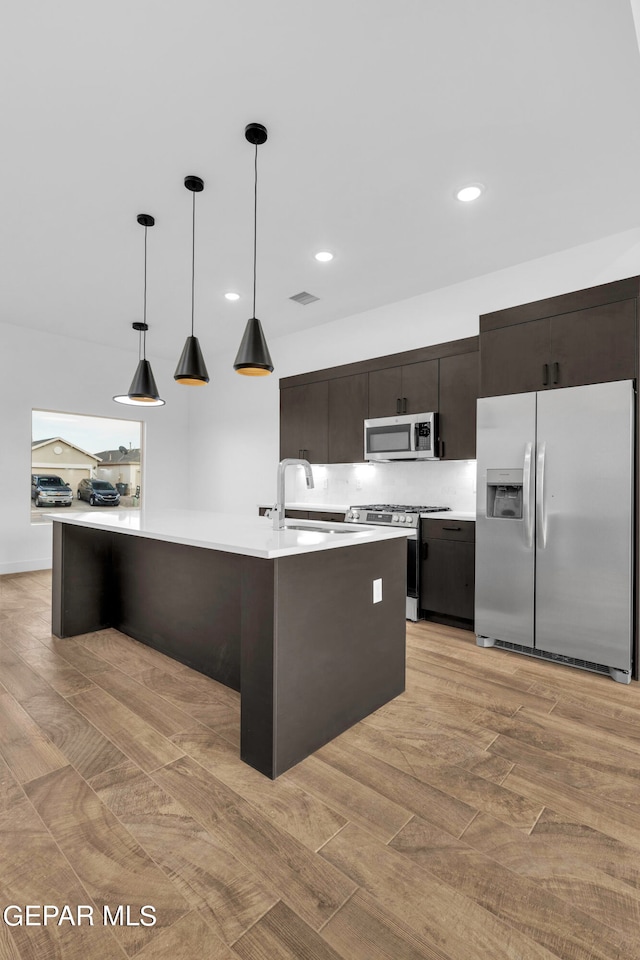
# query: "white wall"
50,372
234,424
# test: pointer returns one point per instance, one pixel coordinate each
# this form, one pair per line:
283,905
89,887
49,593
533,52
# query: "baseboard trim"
25,566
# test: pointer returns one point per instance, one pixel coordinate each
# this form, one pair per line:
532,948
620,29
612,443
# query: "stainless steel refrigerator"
554,537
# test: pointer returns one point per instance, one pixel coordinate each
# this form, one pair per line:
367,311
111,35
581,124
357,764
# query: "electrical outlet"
377,590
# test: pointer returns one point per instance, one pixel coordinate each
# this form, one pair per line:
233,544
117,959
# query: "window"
105,453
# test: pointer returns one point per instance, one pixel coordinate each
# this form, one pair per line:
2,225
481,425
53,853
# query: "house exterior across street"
120,466
64,459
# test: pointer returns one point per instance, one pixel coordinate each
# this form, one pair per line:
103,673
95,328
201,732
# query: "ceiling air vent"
304,298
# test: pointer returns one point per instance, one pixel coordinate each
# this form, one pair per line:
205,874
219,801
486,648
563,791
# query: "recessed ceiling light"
471,192
324,256
232,296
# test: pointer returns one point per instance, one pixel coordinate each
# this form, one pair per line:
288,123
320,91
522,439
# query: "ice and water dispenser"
504,494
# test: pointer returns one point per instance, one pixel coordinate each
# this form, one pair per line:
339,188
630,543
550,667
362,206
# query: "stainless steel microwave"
412,436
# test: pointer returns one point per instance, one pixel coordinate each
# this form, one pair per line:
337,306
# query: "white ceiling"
376,110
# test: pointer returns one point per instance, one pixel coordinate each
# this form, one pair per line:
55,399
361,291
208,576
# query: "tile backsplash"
447,483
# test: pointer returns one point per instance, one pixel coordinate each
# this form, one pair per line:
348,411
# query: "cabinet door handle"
545,374
452,528
404,404
398,405
556,372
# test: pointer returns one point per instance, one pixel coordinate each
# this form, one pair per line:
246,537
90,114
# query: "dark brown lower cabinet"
291,634
325,515
448,571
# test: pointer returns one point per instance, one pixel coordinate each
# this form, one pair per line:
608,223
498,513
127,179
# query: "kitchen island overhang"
287,618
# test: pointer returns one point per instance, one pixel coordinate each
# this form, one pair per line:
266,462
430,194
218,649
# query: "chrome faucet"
278,510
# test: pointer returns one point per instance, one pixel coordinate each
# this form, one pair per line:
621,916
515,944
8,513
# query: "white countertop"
449,515
247,535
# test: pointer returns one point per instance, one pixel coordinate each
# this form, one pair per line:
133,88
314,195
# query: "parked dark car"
47,490
99,493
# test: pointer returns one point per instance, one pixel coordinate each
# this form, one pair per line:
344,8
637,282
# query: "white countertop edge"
449,515
245,535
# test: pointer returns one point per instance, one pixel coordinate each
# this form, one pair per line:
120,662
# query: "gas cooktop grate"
397,508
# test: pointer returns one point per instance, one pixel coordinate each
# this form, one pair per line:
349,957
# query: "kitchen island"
289,618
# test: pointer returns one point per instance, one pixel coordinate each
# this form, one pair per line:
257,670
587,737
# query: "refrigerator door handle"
526,495
541,520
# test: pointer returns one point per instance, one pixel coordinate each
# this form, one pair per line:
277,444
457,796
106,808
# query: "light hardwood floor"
492,812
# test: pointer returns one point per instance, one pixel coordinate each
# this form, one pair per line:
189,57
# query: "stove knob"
401,518
395,518
355,515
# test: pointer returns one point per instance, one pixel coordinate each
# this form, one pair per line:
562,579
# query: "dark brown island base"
287,618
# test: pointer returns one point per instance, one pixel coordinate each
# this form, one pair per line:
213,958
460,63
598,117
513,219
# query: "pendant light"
254,359
143,387
191,369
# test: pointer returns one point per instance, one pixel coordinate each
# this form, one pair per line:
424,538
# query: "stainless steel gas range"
408,518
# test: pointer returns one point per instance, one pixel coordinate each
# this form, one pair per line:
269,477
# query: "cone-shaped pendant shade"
253,359
143,387
191,368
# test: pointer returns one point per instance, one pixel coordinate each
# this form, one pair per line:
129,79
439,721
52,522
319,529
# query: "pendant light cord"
193,259
255,226
144,307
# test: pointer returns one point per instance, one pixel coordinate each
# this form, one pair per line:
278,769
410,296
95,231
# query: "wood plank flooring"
492,812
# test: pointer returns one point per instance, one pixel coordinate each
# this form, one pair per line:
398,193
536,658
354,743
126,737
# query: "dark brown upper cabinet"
411,388
322,412
594,346
579,344
348,406
459,384
512,359
304,422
